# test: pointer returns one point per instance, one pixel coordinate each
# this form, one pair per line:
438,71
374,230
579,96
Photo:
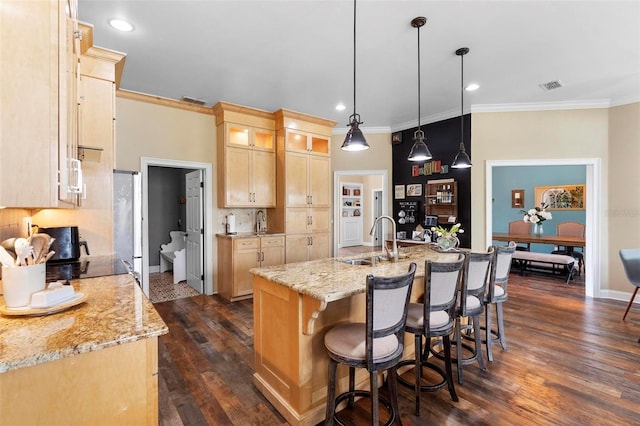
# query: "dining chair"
496,295
571,229
631,263
376,345
520,227
476,275
435,317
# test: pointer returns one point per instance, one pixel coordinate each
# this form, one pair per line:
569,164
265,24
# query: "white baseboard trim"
154,269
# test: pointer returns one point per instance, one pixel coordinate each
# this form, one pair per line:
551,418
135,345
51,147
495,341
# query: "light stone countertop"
116,312
249,235
330,279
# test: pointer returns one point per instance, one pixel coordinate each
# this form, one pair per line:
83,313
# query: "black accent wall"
443,140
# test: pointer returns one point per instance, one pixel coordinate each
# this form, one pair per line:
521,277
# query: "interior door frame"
336,199
592,251
207,249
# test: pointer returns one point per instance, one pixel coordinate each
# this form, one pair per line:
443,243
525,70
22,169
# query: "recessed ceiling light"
340,107
121,25
471,87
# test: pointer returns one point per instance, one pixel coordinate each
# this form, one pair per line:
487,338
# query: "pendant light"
355,140
461,160
419,150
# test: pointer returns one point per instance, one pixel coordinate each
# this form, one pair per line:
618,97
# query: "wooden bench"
556,264
173,256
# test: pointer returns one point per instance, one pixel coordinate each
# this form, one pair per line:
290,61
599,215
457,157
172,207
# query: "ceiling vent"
552,85
193,101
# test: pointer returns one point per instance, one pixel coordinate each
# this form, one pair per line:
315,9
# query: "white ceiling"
298,55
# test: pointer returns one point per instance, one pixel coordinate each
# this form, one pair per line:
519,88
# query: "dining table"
555,240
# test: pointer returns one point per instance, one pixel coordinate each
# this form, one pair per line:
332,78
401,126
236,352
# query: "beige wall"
623,196
157,131
540,135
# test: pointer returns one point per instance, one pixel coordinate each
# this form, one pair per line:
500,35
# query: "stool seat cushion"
473,302
415,317
349,341
498,291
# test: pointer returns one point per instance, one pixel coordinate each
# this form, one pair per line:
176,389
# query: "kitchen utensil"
8,245
41,244
24,252
6,259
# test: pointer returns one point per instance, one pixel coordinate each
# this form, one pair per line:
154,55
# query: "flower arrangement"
536,214
443,232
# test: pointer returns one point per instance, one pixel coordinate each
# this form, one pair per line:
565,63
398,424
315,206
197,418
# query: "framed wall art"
561,197
414,190
517,198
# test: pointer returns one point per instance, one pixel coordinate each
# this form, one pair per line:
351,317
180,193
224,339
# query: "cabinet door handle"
310,220
311,240
262,257
258,253
310,199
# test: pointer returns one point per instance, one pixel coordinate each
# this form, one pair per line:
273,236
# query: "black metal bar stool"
434,318
376,345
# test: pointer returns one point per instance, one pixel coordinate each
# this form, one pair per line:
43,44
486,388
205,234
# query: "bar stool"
376,345
434,318
477,269
496,295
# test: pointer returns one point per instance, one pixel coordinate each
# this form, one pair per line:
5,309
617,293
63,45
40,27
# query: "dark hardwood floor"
570,361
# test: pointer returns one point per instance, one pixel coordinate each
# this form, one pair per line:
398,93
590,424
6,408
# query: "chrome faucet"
393,255
260,221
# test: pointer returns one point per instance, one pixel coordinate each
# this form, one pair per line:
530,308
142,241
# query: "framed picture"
399,192
517,198
396,138
561,197
414,190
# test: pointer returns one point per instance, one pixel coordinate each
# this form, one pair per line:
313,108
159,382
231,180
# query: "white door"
195,230
351,228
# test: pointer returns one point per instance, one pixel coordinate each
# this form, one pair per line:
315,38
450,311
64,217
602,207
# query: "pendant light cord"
419,78
462,101
354,59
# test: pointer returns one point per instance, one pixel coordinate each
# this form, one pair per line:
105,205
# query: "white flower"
534,219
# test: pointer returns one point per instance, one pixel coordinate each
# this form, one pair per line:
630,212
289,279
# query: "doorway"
592,211
207,202
380,177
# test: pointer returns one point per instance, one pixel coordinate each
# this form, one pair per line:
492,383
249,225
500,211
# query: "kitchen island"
95,363
295,305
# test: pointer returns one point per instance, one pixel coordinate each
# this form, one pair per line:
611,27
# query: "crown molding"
542,106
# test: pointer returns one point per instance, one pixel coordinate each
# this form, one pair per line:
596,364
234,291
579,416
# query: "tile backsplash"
245,219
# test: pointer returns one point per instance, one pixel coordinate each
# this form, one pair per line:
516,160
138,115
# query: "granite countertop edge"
116,312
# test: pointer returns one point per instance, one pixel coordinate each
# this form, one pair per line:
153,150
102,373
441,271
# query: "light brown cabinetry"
39,50
115,385
303,185
246,157
236,256
441,200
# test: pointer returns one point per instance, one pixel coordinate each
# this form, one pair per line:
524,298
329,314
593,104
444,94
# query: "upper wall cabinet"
39,72
246,156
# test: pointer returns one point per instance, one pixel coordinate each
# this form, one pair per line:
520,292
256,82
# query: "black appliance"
87,267
66,244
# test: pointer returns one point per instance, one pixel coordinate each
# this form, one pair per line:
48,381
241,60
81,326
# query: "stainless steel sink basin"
357,261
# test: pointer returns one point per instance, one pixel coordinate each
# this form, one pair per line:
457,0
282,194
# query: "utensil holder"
19,283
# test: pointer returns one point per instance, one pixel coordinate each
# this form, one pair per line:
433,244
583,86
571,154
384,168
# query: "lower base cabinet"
304,247
236,256
115,385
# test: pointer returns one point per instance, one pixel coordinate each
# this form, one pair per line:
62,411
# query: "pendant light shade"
461,160
419,150
355,140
